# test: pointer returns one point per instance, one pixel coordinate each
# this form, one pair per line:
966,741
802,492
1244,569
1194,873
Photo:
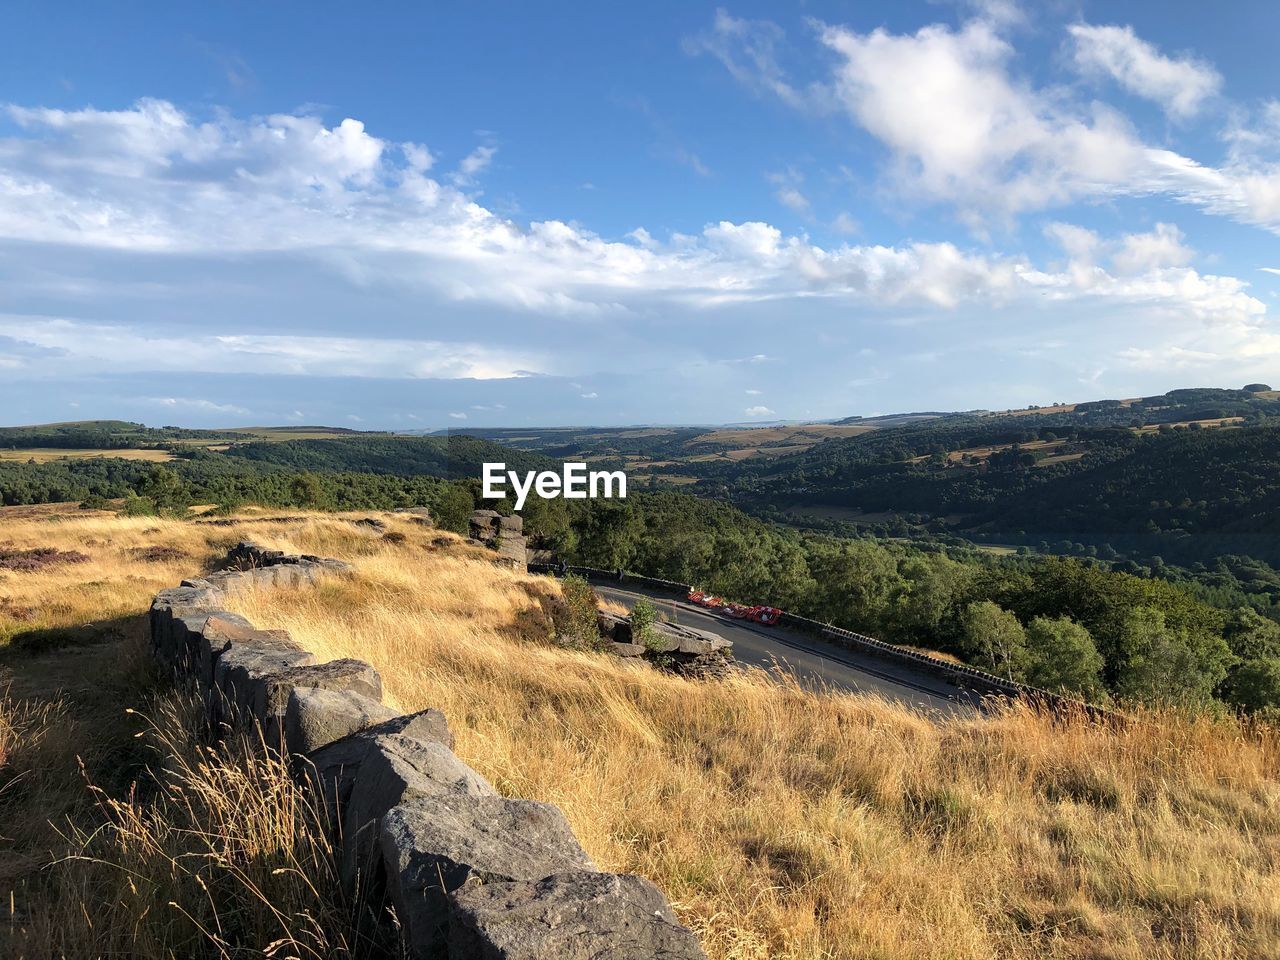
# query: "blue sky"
407,217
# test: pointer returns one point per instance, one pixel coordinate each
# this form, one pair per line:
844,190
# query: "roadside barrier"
961,675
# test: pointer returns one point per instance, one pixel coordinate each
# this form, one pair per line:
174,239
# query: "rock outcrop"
471,874
682,649
505,534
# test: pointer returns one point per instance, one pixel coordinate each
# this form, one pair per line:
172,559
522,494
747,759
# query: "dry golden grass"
781,823
787,824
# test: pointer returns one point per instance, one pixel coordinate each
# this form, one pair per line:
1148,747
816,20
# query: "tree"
923,609
994,639
1164,663
1252,636
308,492
1255,685
854,583
452,508
165,489
1062,656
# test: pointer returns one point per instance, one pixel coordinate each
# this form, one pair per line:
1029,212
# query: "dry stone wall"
471,874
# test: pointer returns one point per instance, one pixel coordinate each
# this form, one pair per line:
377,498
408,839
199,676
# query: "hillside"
761,810
1188,475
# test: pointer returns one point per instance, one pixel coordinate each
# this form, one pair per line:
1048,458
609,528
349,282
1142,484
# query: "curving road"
815,663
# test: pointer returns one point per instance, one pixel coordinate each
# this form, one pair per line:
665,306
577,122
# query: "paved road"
814,663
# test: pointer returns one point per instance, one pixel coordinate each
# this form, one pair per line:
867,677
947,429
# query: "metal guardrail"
961,675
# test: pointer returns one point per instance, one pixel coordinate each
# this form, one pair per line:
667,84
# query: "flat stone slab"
315,717
567,916
675,637
346,674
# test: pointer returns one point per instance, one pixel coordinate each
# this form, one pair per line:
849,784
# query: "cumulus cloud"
192,206
1145,252
759,411
1179,85
194,403
963,127
151,178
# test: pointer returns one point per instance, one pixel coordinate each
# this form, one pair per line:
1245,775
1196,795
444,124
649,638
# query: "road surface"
815,663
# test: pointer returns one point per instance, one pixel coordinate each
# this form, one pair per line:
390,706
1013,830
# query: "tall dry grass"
120,834
781,823
788,824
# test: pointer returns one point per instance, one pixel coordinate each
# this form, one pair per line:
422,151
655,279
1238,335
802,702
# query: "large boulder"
242,671
400,769
346,674
433,846
579,915
333,768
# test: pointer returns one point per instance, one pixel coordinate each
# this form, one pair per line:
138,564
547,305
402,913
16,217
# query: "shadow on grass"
46,639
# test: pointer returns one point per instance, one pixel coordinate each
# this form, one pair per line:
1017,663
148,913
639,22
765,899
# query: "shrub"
575,621
643,616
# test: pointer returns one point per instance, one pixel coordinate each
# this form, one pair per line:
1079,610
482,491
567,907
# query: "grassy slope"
781,823
785,824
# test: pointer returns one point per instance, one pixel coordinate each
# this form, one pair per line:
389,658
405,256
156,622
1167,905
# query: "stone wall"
470,873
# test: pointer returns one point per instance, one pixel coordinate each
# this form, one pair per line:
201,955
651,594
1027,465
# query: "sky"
417,216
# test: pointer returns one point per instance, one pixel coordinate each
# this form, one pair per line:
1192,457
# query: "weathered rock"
512,524
514,551
347,674
629,649
397,770
315,717
676,637
435,845
241,672
333,768
567,916
220,631
613,627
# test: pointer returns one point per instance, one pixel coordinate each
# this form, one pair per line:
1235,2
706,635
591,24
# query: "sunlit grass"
781,823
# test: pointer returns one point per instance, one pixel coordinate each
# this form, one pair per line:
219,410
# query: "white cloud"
592,395
1180,86
80,347
476,161
194,404
1275,270
152,186
458,416
753,393
1145,252
759,411
963,128
787,190
749,51
844,223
